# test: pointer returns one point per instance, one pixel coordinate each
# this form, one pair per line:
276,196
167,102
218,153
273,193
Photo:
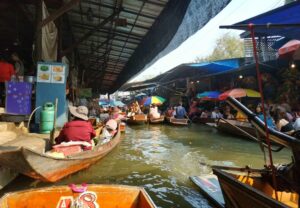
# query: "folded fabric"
65,144
55,154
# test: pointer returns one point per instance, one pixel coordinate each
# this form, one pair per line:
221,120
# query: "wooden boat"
228,126
27,156
178,121
137,119
245,187
8,132
204,120
157,120
122,127
108,196
245,190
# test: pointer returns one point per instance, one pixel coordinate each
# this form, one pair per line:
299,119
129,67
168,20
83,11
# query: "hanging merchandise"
49,38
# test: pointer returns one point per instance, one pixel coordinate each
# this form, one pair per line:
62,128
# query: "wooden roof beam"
65,8
92,31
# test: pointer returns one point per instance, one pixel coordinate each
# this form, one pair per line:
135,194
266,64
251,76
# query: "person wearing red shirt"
79,129
6,72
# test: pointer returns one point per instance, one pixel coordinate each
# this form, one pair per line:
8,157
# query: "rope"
258,74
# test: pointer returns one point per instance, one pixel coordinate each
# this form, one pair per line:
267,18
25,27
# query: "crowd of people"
280,117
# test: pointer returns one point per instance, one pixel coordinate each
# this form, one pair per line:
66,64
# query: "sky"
202,43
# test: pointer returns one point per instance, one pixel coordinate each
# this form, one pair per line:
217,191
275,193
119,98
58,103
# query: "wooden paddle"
52,141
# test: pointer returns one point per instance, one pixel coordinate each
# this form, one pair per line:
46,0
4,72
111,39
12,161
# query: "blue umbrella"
140,96
103,102
116,103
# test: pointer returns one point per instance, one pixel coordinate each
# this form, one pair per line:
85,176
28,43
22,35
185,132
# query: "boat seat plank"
209,186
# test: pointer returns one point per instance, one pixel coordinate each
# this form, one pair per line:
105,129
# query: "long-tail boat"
28,156
108,196
159,120
237,128
200,120
137,119
122,127
177,121
246,187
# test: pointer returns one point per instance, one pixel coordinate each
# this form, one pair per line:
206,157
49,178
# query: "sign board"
51,73
51,84
18,98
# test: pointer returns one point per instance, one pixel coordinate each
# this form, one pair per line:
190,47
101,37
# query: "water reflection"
161,159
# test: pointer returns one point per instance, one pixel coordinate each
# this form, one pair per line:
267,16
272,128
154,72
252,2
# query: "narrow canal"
161,158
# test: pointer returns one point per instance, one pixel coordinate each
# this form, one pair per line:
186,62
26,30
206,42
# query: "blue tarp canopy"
282,16
216,66
202,69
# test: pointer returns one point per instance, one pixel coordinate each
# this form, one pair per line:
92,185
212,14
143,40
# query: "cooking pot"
31,79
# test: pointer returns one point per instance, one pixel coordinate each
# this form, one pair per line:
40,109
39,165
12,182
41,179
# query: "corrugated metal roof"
108,49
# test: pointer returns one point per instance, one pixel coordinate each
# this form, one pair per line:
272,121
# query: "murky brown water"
161,159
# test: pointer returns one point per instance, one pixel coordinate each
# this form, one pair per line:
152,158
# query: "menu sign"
51,73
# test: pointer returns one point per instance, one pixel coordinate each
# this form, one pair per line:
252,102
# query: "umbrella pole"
258,74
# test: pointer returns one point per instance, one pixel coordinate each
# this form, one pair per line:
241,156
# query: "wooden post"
38,32
60,36
58,13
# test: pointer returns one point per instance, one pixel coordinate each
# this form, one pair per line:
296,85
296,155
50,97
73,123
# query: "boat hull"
137,119
178,121
239,193
204,120
8,132
123,127
109,196
157,121
6,176
51,169
225,127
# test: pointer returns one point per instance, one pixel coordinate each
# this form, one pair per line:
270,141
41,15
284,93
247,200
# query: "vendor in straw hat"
79,129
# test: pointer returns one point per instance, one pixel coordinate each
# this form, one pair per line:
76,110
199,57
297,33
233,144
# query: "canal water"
161,158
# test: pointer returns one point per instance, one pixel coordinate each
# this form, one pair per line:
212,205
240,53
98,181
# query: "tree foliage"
288,1
227,46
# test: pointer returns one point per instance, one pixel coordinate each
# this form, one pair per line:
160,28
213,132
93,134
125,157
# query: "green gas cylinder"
47,118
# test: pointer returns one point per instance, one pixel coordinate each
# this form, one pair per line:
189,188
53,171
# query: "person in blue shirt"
270,120
180,111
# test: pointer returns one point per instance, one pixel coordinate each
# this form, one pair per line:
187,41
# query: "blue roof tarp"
217,66
202,69
288,14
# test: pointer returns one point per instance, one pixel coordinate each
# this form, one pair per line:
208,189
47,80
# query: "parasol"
238,93
154,100
290,50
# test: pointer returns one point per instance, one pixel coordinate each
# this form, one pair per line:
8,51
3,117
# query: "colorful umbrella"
290,50
154,100
239,92
209,95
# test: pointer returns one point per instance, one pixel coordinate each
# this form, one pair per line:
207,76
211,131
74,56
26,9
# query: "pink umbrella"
290,50
239,92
